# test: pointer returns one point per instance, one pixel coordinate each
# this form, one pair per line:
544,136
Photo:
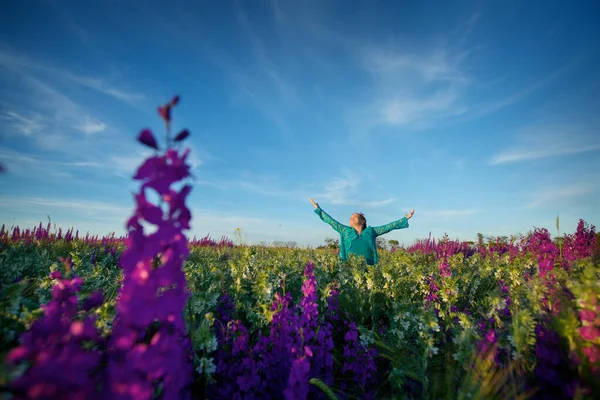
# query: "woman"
358,238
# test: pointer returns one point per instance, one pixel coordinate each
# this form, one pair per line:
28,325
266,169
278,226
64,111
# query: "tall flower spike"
165,110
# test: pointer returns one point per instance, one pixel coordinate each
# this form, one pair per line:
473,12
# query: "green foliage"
427,349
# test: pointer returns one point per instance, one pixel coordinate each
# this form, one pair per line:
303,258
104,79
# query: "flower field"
158,315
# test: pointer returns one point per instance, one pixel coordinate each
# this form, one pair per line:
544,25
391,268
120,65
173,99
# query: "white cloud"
76,207
24,125
551,141
91,126
20,63
560,195
349,191
405,110
29,165
61,116
104,87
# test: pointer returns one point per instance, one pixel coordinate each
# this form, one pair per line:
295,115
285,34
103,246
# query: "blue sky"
482,116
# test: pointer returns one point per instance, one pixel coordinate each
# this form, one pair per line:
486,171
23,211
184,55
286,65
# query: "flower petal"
146,137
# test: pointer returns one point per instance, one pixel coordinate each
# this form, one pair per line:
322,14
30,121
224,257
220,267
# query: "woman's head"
358,220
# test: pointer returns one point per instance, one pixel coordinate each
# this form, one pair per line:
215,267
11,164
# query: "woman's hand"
410,214
315,205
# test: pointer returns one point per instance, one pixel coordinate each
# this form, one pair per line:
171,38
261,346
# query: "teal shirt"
367,236
360,246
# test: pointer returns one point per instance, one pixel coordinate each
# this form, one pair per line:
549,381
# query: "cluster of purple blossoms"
359,361
505,312
590,333
148,351
432,295
280,363
554,375
61,365
580,245
444,247
207,241
541,246
40,235
299,346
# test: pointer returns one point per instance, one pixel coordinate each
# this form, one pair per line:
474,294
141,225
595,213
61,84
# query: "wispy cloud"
446,215
432,87
349,190
491,106
78,207
30,165
414,89
548,141
264,185
91,126
24,64
560,195
55,110
24,125
104,87
264,83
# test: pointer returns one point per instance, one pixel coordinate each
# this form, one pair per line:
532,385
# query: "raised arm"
398,224
327,218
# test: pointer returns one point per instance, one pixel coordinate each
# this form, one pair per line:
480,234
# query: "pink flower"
589,333
587,315
592,353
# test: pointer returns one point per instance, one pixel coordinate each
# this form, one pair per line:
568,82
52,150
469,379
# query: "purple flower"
93,301
298,385
153,291
165,111
60,365
146,137
182,135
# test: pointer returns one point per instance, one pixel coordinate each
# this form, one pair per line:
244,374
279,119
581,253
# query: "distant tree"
393,243
333,243
480,238
381,243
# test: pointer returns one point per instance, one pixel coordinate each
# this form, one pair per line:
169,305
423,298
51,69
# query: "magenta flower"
587,315
589,333
592,353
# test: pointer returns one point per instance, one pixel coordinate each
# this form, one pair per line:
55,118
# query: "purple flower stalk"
154,288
